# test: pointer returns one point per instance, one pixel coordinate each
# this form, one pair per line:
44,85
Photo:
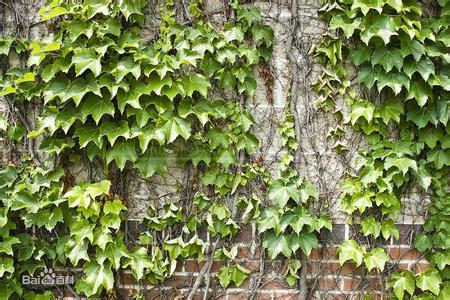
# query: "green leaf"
391,109
366,5
430,280
350,251
423,242
6,265
382,26
125,66
264,32
439,157
7,243
138,262
130,7
239,274
370,226
97,7
395,80
420,91
226,157
403,164
421,116
276,244
347,25
98,277
88,133
389,229
401,282
122,152
281,192
114,130
174,127
424,67
113,207
153,160
304,241
86,59
195,82
388,58
97,107
376,259
78,88
360,55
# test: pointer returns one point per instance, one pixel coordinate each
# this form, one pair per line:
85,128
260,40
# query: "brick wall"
326,279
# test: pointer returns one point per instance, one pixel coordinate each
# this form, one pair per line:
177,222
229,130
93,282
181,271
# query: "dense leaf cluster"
400,100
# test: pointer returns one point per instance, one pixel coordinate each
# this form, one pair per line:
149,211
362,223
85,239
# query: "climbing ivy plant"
125,104
389,60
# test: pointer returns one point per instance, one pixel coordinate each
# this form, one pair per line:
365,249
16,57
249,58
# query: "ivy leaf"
153,160
439,157
368,75
174,127
78,88
388,58
122,152
226,157
391,109
347,25
350,250
86,59
125,66
6,265
430,136
130,7
276,244
421,116
423,242
114,130
304,241
234,33
403,164
239,274
420,91
401,282
389,229
88,133
7,243
138,262
366,5
362,109
281,192
412,47
370,226
97,107
395,80
424,67
382,26
376,258
360,55
430,280
78,251
195,82
264,32
98,276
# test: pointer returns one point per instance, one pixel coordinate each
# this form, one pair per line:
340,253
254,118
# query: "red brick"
245,235
285,295
420,267
252,265
398,253
273,283
237,296
193,265
321,283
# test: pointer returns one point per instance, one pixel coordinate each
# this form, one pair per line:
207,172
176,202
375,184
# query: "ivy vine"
108,97
389,60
